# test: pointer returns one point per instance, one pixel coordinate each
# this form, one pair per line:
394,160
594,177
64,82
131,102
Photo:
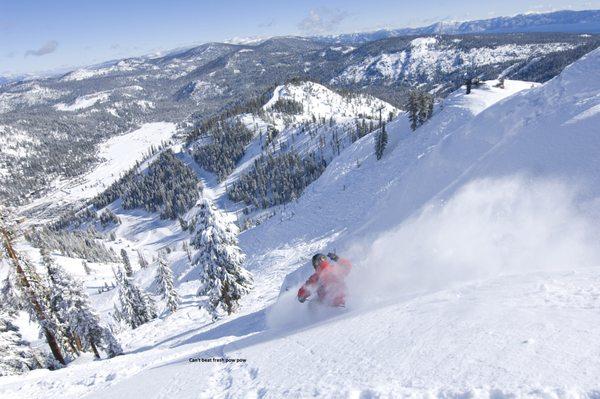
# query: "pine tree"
381,142
142,260
36,301
413,109
164,282
71,305
430,104
137,307
188,252
30,299
9,297
219,259
425,103
126,263
16,356
111,345
86,268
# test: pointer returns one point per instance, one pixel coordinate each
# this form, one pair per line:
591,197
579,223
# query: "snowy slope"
118,154
426,57
28,94
83,102
325,113
474,243
322,102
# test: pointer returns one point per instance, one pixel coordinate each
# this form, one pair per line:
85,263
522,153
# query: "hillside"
435,307
60,122
586,21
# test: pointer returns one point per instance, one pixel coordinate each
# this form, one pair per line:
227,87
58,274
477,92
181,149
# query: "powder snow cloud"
490,227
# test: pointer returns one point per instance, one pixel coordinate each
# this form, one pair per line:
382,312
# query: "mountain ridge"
583,21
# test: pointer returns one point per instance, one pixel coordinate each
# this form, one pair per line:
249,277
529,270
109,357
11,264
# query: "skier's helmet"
318,259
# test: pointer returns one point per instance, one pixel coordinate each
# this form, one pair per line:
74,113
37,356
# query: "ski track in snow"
521,333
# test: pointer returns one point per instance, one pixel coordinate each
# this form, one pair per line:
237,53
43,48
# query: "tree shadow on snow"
238,327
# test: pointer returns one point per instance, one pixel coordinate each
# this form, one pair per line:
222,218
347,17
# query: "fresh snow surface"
298,132
83,102
33,94
476,269
87,73
322,102
427,57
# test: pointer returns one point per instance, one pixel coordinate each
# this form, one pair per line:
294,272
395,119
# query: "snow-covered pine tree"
110,344
126,263
73,310
164,282
188,252
413,109
430,103
219,260
16,356
381,142
142,260
137,307
425,107
35,296
86,267
9,296
30,299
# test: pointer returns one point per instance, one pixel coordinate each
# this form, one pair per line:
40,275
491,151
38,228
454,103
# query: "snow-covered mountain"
68,117
428,58
474,245
587,21
303,118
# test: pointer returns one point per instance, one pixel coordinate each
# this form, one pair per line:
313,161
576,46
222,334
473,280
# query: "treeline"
419,107
228,144
74,244
287,106
61,307
276,180
168,186
252,106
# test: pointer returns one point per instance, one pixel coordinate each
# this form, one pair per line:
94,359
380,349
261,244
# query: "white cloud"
322,21
47,48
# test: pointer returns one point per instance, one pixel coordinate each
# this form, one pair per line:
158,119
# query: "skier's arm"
307,289
345,264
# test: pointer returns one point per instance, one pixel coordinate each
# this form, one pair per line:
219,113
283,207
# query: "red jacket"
328,283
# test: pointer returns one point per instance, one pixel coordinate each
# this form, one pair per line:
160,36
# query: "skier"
327,281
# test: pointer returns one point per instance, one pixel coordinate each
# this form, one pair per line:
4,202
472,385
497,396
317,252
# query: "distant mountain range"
51,127
587,21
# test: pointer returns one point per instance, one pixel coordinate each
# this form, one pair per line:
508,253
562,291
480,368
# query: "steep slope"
69,116
466,339
300,118
426,59
475,269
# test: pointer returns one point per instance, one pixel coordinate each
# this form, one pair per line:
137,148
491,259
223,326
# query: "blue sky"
45,35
